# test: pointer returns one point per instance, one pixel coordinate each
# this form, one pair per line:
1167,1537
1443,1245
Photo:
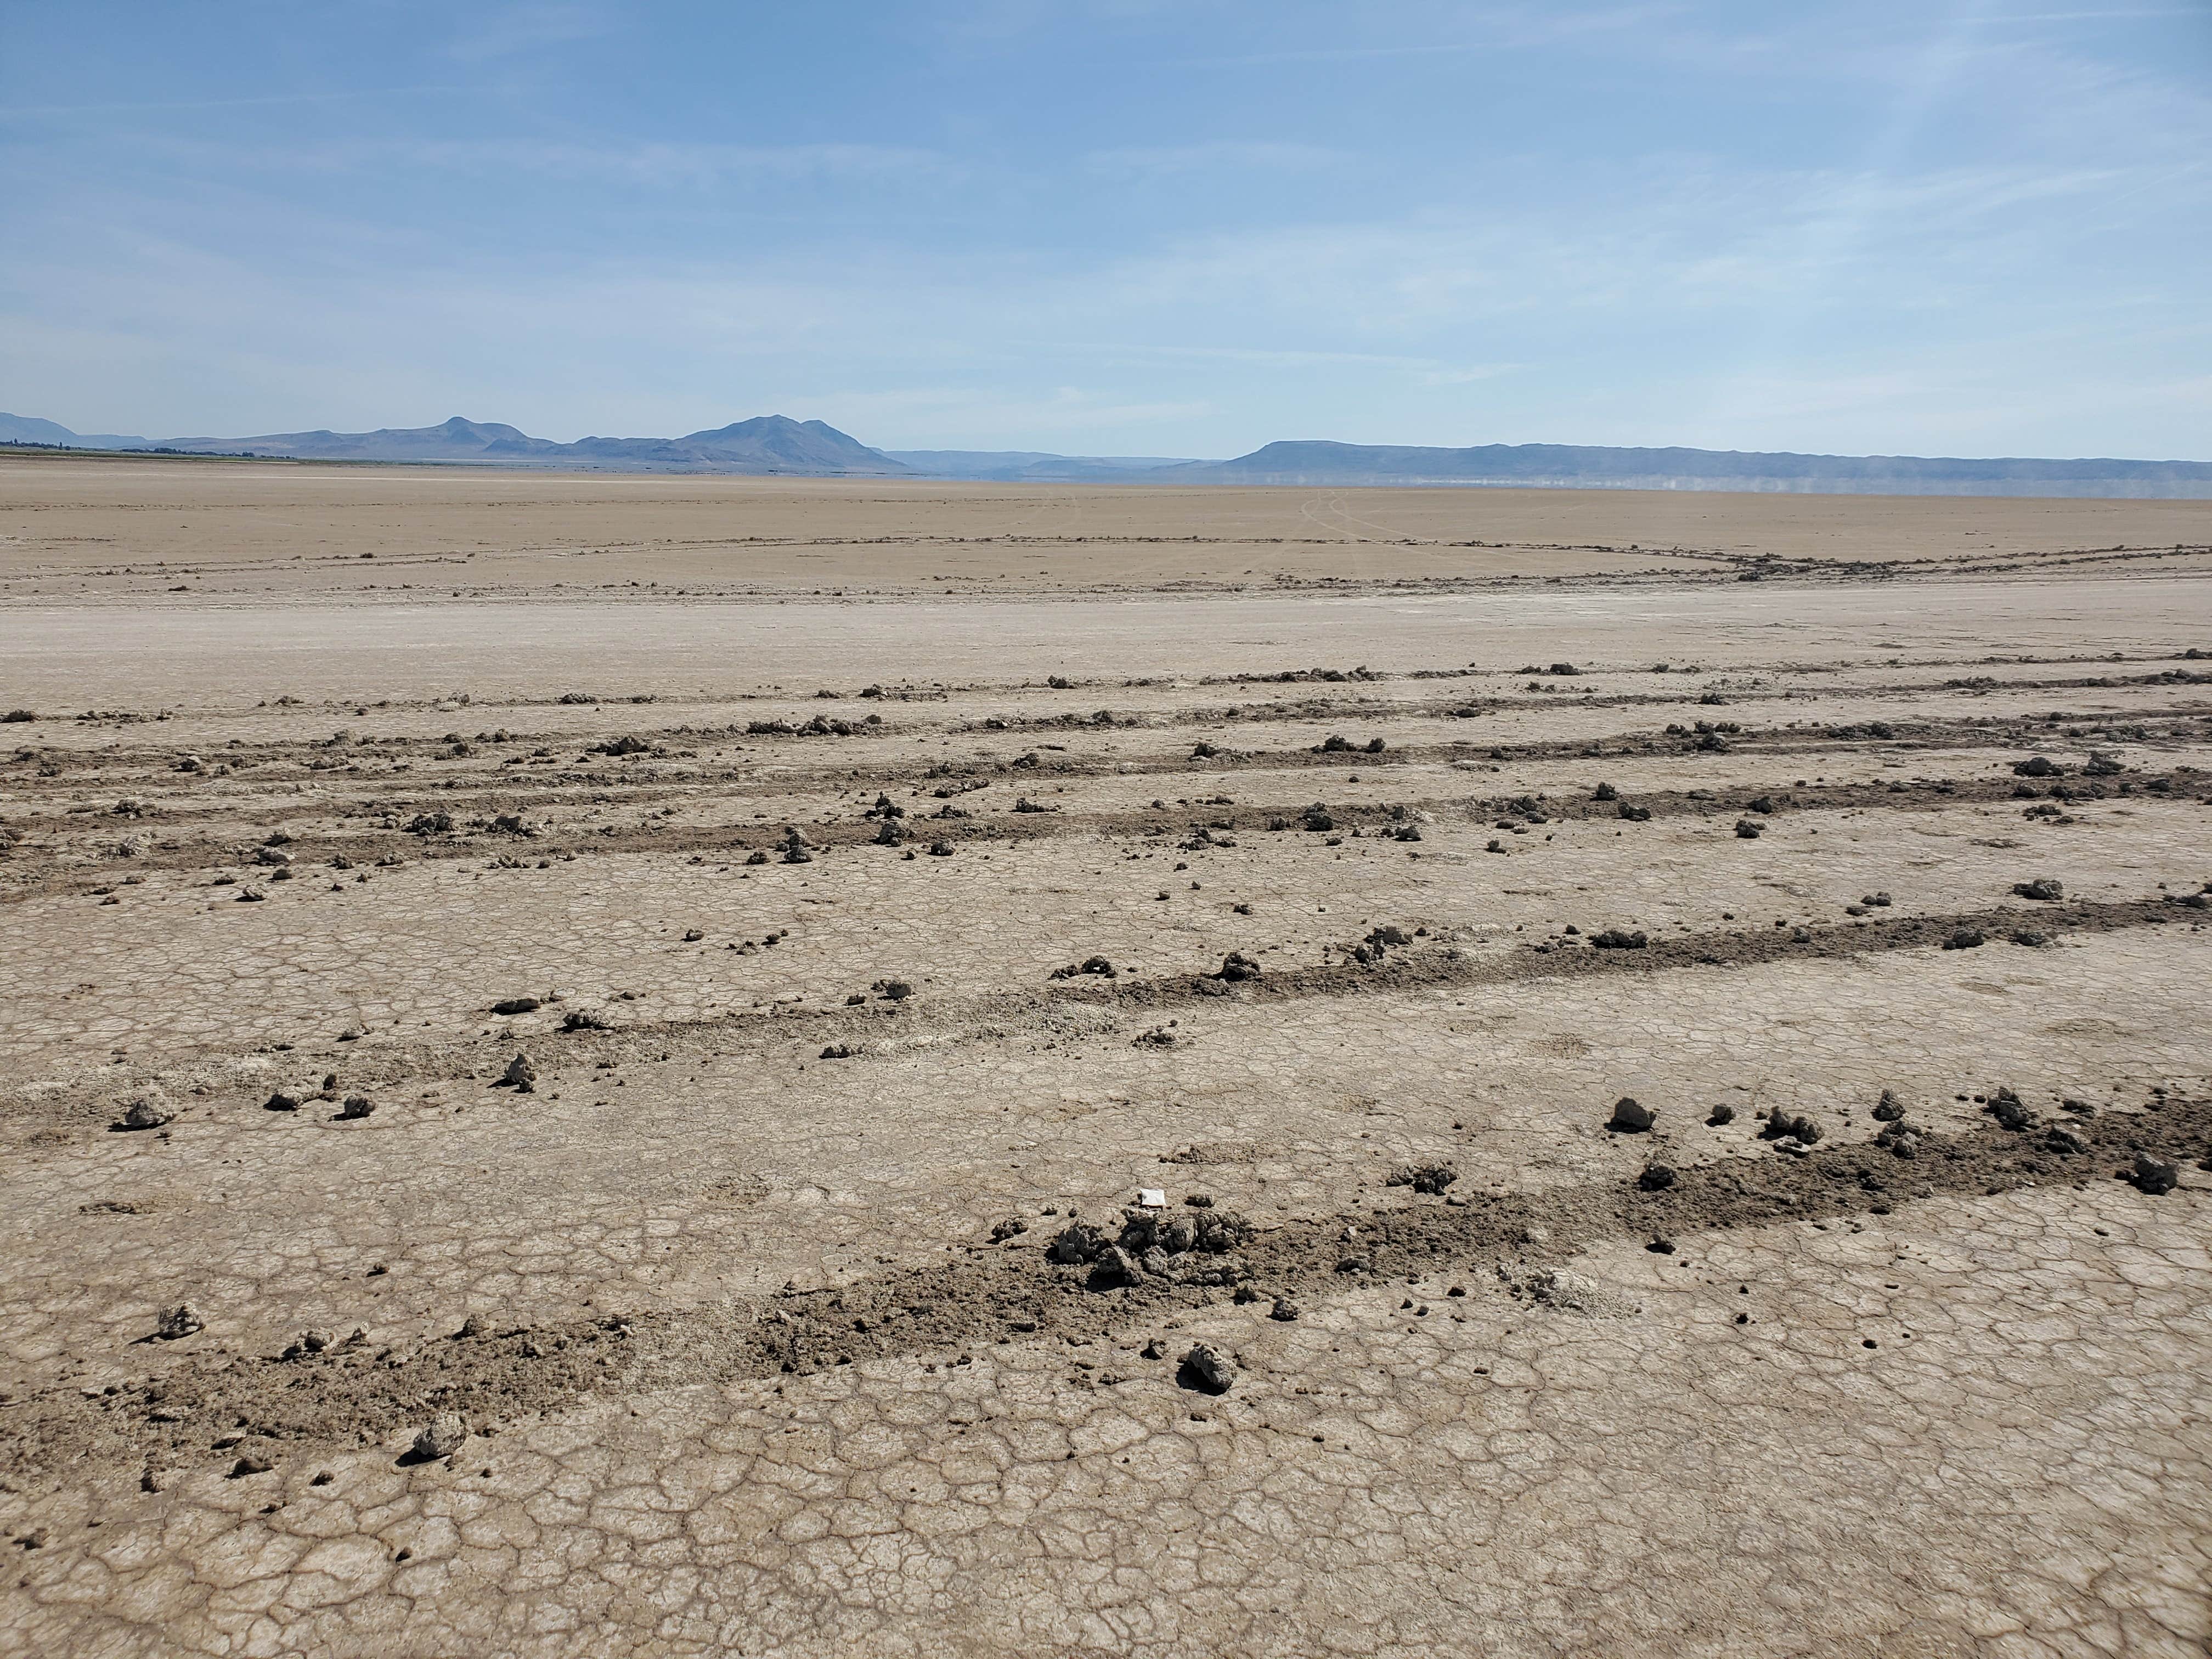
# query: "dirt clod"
441,1436
1629,1116
148,1112
1207,1369
2154,1176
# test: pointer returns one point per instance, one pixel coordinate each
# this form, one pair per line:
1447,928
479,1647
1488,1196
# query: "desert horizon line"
10,421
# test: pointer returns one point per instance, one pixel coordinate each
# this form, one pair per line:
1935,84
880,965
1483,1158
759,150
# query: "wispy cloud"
1180,161
1490,29
1428,371
1264,357
523,28
1067,409
274,100
630,165
2111,15
672,165
1466,376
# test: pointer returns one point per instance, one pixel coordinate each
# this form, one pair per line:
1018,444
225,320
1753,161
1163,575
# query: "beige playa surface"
114,528
748,1305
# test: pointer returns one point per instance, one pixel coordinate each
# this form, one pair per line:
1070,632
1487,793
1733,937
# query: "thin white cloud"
696,165
1466,376
2113,15
970,408
1178,160
1573,297
1264,357
1494,29
37,111
523,28
1428,371
629,165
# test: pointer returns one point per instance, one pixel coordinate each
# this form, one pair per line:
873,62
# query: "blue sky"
1959,227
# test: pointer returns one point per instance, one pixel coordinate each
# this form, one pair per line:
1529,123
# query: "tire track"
882,1028
262,1409
37,870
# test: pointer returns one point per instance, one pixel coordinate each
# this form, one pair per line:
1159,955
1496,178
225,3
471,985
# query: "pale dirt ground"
753,1375
79,529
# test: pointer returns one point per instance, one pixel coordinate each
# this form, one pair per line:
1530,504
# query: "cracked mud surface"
804,1301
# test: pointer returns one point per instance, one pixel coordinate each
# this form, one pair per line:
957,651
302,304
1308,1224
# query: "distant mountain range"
776,446
30,429
1581,466
768,444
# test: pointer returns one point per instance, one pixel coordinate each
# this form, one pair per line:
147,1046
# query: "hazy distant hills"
30,429
768,444
775,445
1579,466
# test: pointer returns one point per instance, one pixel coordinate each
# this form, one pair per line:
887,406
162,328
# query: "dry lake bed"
707,1066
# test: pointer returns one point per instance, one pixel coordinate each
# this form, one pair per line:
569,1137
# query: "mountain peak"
776,443
765,444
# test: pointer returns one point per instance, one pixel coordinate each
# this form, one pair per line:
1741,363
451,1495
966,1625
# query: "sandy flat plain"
889,883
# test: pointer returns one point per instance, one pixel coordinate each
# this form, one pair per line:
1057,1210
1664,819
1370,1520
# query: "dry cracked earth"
1248,1073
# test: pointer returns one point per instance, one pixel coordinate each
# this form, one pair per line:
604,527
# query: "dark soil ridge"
221,1406
1708,564
71,832
1282,677
909,692
1250,817
267,760
316,851
89,1104
1566,696
1728,558
1808,568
